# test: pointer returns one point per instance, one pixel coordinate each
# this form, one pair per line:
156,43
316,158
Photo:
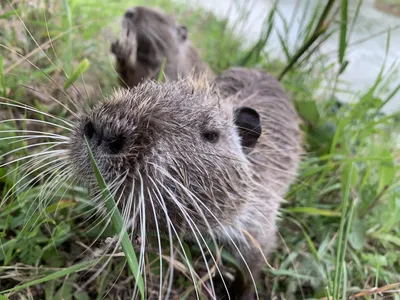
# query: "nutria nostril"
89,130
130,14
117,144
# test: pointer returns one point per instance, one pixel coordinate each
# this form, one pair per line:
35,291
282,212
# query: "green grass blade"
343,31
71,270
314,211
80,69
322,27
68,52
340,252
254,53
344,290
117,222
2,81
161,74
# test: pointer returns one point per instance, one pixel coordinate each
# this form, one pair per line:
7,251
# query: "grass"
339,228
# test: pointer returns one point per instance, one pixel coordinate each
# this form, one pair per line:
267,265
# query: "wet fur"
227,191
147,40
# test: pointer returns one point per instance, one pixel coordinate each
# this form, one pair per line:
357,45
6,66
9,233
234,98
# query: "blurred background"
369,47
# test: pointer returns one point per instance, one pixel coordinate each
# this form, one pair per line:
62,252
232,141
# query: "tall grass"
339,228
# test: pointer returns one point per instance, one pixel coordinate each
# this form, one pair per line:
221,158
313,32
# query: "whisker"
27,107
191,224
31,146
6,196
39,95
200,211
59,152
164,208
227,234
25,138
43,52
159,242
44,134
36,121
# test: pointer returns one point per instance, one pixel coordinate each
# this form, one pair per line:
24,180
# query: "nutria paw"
120,49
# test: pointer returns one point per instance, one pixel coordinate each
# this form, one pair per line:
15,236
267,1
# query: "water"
366,58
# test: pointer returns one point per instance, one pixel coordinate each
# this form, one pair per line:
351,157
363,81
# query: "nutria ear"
248,123
182,32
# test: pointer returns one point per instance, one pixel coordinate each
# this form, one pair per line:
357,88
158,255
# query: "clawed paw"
121,50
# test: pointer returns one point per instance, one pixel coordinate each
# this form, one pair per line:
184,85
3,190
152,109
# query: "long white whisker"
37,121
44,134
163,206
31,146
142,222
159,242
27,137
37,178
27,60
59,152
200,211
52,98
56,187
7,195
23,106
228,235
193,226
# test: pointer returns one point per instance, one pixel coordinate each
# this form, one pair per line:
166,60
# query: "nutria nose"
89,130
130,14
112,144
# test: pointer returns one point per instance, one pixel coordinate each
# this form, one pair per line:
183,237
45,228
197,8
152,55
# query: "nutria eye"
116,145
88,130
211,136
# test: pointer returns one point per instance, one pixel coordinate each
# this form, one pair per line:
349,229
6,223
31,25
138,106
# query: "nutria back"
150,40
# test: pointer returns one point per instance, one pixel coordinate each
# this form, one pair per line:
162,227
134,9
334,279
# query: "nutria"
214,159
148,37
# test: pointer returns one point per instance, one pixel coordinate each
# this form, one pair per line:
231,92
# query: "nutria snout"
130,14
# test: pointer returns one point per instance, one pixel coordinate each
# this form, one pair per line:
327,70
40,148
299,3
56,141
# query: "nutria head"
149,37
175,145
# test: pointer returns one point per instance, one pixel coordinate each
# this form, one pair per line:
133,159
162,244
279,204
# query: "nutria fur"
218,156
148,37
274,159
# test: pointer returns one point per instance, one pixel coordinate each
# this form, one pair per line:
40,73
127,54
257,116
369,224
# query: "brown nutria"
148,37
212,159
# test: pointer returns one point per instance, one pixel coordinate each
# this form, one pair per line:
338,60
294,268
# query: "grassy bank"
339,230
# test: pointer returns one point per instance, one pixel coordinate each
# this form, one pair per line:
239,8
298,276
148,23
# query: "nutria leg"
254,250
242,288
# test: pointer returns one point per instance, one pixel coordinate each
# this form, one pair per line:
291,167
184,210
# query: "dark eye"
211,136
117,144
88,130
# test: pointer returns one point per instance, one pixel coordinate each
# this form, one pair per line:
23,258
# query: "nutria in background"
151,40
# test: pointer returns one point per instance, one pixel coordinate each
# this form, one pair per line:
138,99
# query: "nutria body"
217,158
274,160
148,37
